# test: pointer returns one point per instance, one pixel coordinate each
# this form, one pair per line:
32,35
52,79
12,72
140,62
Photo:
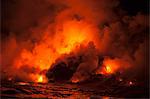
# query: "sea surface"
90,90
48,90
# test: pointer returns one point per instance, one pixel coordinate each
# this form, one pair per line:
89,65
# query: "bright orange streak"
108,69
40,79
75,80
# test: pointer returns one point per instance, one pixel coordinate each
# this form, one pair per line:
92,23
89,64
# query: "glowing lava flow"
111,66
41,79
105,70
108,69
75,80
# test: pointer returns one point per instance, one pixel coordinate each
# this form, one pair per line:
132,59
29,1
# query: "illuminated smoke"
44,31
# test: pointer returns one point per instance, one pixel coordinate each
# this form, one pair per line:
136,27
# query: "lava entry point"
74,49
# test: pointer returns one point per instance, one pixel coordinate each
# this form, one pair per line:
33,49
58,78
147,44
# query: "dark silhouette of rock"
63,71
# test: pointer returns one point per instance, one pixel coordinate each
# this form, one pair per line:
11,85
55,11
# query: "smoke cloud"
36,33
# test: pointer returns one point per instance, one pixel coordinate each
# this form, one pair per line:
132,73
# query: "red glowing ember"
130,83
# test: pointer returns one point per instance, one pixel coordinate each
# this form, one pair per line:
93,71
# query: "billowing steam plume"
41,32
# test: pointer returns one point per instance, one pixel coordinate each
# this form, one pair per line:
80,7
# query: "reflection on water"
51,90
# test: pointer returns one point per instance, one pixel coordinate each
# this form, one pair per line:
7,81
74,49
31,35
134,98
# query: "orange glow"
67,38
41,79
74,33
105,97
75,80
105,70
111,66
38,78
108,69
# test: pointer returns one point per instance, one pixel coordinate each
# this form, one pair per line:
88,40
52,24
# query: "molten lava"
108,69
41,79
111,66
75,80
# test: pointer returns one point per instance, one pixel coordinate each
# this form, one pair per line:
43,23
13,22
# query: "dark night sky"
134,6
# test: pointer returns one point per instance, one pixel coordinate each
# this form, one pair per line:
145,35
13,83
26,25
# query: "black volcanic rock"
63,71
60,72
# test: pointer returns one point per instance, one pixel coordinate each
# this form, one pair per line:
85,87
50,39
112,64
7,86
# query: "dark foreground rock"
63,71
